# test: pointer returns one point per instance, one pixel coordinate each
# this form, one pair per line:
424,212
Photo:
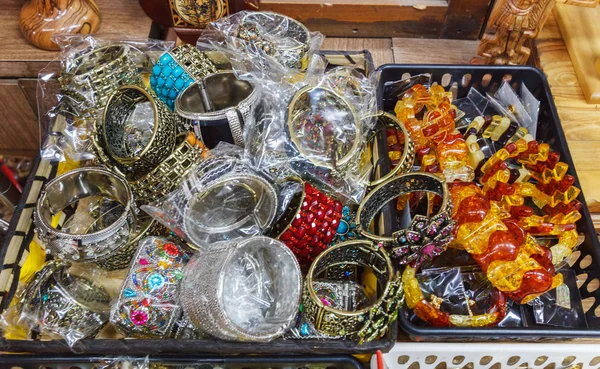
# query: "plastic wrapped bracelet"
176,70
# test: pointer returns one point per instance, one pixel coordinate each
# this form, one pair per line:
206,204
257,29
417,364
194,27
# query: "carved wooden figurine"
41,19
510,25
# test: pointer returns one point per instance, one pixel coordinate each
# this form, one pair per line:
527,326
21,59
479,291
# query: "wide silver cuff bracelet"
85,239
243,291
217,107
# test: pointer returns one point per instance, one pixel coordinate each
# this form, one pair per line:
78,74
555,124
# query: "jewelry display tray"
16,249
586,260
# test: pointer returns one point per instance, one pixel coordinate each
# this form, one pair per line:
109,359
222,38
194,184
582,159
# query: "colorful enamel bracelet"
76,185
343,262
63,304
309,224
131,144
430,312
176,70
94,75
148,305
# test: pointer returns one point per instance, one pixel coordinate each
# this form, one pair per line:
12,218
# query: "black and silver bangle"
218,107
66,190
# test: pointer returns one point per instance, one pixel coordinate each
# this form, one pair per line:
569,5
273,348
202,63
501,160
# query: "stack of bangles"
494,224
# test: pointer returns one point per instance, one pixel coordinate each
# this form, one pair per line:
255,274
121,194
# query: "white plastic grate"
473,355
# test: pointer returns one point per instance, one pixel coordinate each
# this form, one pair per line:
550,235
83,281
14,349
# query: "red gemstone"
315,240
304,204
310,217
285,236
300,232
297,222
171,249
146,302
320,214
337,207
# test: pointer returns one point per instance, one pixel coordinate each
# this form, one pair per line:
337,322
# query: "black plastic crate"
173,362
460,78
16,248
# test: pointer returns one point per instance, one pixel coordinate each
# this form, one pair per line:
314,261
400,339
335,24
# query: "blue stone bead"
158,91
156,280
45,297
167,71
173,94
152,81
128,292
166,58
156,70
168,84
160,82
343,227
179,84
305,330
178,71
171,104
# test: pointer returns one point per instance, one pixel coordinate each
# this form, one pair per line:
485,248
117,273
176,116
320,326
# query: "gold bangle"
394,187
387,120
341,263
113,138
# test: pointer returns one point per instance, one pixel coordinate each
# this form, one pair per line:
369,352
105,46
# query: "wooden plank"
117,17
580,121
18,123
429,51
380,48
584,47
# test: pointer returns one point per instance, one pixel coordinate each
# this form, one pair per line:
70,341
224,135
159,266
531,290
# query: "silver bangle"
69,306
206,295
219,98
71,187
264,29
250,222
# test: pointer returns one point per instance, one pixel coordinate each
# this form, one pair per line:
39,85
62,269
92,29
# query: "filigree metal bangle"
93,75
114,138
206,296
176,69
66,305
308,125
405,163
256,220
344,262
148,305
309,224
217,107
283,38
71,187
395,187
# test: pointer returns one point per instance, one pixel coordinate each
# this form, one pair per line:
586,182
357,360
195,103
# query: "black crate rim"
426,333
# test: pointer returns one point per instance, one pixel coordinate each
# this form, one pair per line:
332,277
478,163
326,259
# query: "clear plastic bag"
506,102
224,198
268,45
72,97
473,105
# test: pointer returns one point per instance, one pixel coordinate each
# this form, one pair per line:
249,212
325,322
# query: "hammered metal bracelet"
283,38
218,107
393,188
203,289
405,163
309,223
68,189
64,304
346,262
113,136
93,75
176,69
305,111
148,305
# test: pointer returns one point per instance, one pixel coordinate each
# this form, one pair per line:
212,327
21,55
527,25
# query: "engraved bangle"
309,224
217,107
71,187
395,187
312,101
249,222
344,262
279,36
114,138
148,304
387,120
176,69
63,304
93,75
206,294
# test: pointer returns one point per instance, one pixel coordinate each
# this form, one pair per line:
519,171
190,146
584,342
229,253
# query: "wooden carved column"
510,25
